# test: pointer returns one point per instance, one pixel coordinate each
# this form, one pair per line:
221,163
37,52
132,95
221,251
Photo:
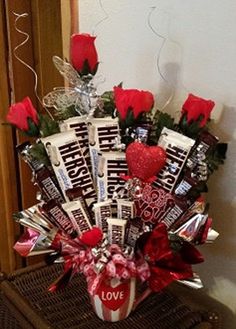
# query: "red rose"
84,56
194,107
137,100
20,113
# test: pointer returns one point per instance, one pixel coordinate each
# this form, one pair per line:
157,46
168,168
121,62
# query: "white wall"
199,56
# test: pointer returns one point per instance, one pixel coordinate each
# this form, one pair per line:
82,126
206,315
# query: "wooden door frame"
43,25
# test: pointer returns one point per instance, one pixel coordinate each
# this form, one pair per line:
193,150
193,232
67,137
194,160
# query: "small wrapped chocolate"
186,184
69,164
79,125
78,216
116,231
75,194
110,167
204,144
133,231
125,209
102,137
54,212
102,211
177,147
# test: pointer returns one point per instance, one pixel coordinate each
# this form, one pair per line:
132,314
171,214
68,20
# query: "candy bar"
59,218
75,194
134,229
153,204
186,184
205,143
125,209
177,147
69,164
102,211
111,166
42,175
198,207
79,125
77,215
116,231
102,136
175,211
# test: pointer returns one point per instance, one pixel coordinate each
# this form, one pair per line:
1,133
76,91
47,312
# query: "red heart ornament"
113,298
144,162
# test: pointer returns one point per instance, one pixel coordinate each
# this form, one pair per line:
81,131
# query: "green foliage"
38,152
160,121
48,126
216,157
66,113
33,130
191,129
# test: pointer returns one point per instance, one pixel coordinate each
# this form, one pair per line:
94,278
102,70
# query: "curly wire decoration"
26,35
101,20
164,39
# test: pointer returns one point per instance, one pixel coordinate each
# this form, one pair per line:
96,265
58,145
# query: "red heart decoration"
144,161
113,298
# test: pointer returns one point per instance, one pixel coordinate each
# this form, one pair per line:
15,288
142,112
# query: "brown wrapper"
133,231
177,147
175,211
75,194
54,212
102,137
43,177
69,164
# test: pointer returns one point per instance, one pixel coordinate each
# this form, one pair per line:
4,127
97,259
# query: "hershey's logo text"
81,221
106,137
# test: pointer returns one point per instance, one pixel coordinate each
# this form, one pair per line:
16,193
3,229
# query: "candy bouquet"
120,185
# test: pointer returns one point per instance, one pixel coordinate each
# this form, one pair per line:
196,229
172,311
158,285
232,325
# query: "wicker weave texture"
7,321
71,309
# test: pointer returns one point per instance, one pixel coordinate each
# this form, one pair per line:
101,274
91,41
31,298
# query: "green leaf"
160,121
38,152
66,113
48,126
33,130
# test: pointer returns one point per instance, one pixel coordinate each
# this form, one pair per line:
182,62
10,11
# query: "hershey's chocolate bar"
69,164
79,125
177,147
102,134
102,211
111,165
116,231
125,209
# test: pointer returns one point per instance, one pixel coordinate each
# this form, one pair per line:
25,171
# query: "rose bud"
197,109
83,54
24,116
138,101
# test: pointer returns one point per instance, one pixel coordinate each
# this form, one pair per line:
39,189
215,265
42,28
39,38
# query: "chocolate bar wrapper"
102,211
79,125
110,166
43,177
78,216
198,207
133,231
69,164
102,136
33,243
125,209
116,231
204,144
175,211
177,147
54,212
153,204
